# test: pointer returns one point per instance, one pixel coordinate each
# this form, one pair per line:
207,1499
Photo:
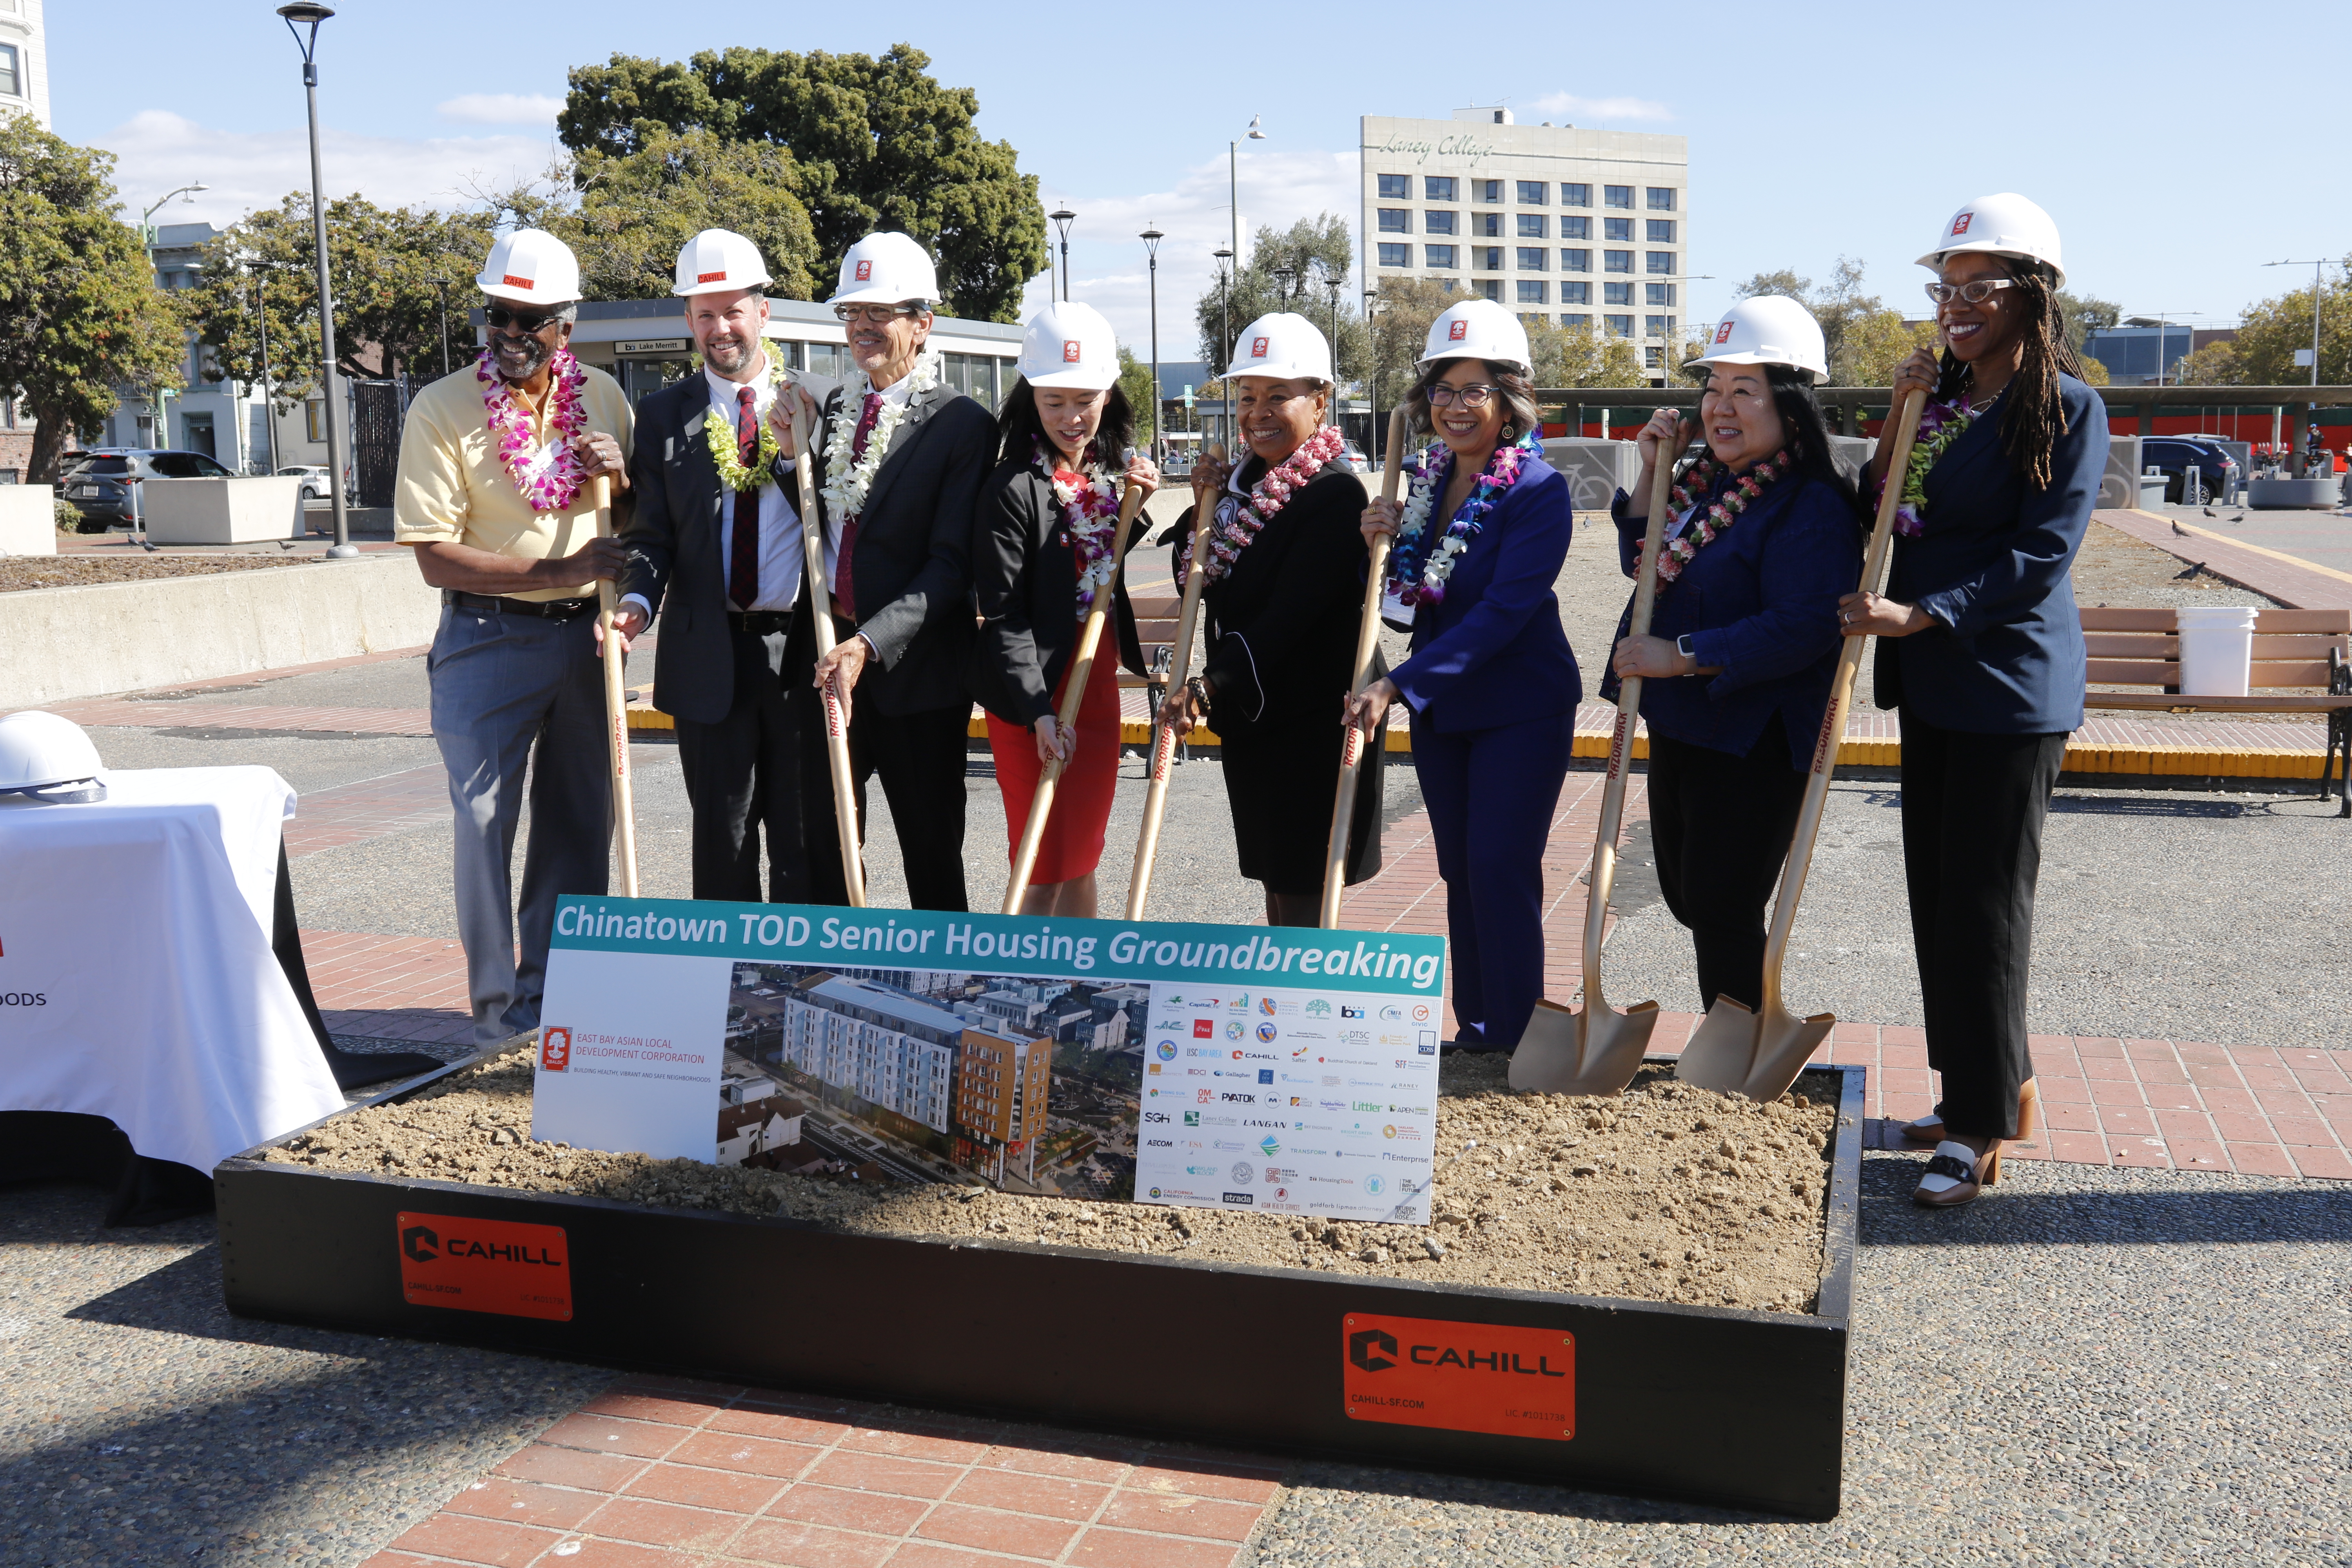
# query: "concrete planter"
2322,494
61,643
222,511
1596,470
28,520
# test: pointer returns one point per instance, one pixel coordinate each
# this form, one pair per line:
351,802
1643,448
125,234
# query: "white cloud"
1599,110
501,108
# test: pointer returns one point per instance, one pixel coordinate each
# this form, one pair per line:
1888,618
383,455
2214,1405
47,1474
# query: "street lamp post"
261,322
2315,266
1233,227
296,14
1151,237
1225,332
1334,285
159,399
1372,375
1062,218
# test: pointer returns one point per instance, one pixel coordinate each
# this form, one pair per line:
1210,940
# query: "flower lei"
1417,572
1721,513
1090,503
846,491
1940,424
1235,528
548,474
726,445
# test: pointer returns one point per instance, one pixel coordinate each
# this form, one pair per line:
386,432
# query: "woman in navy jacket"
1765,537
1492,683
1982,652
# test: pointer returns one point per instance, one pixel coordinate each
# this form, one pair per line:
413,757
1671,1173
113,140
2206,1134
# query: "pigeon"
2182,532
2240,518
2211,512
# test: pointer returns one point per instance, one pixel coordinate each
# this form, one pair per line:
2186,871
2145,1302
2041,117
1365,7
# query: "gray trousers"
511,691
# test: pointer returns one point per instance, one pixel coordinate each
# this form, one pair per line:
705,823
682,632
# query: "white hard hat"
532,266
719,261
2004,224
1770,328
49,759
1478,329
1283,345
886,268
1069,344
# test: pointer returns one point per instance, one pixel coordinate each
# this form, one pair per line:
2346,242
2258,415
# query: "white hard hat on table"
1069,344
886,268
1478,329
2002,225
46,757
1283,345
719,261
1770,328
531,266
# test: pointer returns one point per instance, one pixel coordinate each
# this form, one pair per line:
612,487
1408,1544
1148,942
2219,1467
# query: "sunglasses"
876,315
1975,293
514,321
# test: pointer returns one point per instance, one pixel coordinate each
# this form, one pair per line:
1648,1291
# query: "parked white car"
315,483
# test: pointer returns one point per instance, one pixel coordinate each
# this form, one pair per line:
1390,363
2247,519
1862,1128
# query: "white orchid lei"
726,449
846,487
1090,502
1418,570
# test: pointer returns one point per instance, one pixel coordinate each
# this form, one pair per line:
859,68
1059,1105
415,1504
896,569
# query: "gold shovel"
1760,1054
1163,742
1358,742
837,701
1599,1051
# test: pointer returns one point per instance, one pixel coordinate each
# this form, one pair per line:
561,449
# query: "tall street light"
1062,220
1151,237
1225,334
2315,312
1333,285
1372,375
159,399
261,320
297,15
1233,224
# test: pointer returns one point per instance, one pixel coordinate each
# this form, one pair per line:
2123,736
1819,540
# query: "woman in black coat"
1285,565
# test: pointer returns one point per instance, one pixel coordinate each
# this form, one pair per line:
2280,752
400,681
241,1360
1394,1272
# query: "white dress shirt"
898,392
778,521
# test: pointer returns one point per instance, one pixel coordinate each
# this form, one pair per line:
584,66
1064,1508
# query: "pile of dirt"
1666,1193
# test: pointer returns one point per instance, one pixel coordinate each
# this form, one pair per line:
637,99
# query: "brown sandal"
1928,1130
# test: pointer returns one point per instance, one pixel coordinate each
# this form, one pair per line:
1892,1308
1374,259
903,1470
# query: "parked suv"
2176,455
99,488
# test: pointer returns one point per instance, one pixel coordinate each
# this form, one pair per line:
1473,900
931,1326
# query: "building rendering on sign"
1581,227
23,61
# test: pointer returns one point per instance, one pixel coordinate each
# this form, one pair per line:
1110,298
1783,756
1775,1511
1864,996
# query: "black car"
2176,455
98,482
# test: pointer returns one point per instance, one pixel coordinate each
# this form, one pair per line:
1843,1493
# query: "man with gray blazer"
903,457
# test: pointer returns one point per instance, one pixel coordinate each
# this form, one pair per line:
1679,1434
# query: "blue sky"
1810,138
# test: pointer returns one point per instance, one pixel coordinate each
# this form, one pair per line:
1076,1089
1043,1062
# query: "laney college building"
1583,227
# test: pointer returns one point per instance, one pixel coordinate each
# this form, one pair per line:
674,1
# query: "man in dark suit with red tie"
715,547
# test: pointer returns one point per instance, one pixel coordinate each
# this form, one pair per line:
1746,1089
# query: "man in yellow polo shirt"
493,496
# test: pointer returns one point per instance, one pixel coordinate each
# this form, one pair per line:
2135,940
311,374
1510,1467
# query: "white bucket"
2217,650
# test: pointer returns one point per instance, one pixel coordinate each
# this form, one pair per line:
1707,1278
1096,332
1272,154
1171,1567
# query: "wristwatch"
1683,647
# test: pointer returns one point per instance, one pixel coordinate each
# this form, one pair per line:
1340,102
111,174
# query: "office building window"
1617,196
1658,326
1616,261
1486,225
1489,289
1576,228
1396,255
1620,229
1396,187
1657,293
1576,293
1396,220
1661,231
1660,261
1661,199
1440,255
1531,293
1654,358
1486,190
1437,223
1534,193
1616,293
1533,258
1441,188
1621,325
1487,258
1570,320
1532,226
1576,261
12,75
1575,196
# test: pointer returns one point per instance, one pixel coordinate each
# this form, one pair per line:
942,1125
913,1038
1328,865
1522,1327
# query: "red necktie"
743,551
843,592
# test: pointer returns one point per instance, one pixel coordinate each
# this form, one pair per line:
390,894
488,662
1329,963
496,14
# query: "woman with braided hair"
1982,652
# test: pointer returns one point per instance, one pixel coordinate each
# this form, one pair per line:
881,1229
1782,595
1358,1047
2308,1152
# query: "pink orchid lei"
1090,503
1721,513
547,476
1233,533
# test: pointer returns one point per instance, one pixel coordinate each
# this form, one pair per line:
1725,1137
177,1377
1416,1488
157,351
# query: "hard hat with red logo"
1770,328
2003,224
49,758
531,266
719,261
887,268
1283,345
1068,344
1478,329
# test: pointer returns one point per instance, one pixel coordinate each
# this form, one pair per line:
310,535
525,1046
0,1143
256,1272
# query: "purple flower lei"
1409,560
554,487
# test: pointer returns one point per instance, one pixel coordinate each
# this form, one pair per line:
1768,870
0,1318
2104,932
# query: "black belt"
492,604
762,623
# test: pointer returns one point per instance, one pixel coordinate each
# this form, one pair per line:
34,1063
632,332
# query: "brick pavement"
353,813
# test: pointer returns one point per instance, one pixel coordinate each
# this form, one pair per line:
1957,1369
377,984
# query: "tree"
1400,329
1135,380
1582,355
1864,337
2084,314
637,209
1316,252
2272,331
2215,365
79,311
2096,373
877,143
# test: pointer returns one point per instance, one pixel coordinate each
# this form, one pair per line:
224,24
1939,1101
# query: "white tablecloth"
136,976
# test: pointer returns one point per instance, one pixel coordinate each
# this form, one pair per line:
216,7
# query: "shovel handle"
1356,741
617,695
836,717
1163,741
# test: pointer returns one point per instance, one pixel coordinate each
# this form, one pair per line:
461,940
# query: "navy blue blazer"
1992,566
1492,651
1760,603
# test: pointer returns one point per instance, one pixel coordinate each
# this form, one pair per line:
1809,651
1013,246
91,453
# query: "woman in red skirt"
1043,549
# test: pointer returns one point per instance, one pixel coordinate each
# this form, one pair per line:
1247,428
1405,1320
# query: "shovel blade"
1596,1052
1722,1049
1784,1043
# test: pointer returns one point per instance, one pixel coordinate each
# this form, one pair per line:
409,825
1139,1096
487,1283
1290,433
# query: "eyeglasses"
1474,397
505,320
873,315
1975,293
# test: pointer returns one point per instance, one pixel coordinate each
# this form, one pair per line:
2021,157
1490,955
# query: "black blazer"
912,566
1025,577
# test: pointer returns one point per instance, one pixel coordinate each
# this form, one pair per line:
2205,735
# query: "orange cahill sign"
511,281
718,276
1463,1377
485,1266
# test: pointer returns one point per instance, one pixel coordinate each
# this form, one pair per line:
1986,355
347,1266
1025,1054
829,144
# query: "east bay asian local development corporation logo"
554,1048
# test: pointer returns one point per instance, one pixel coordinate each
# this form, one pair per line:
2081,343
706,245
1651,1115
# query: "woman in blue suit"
1765,537
1982,651
1492,683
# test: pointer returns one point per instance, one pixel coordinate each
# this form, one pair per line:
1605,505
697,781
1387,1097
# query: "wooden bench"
1155,630
2301,664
